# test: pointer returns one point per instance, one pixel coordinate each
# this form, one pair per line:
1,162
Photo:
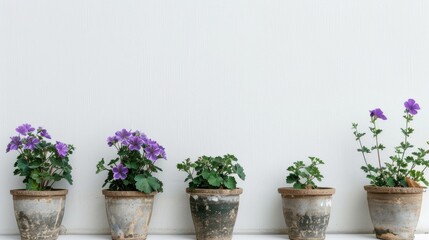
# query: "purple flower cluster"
410,105
29,138
135,141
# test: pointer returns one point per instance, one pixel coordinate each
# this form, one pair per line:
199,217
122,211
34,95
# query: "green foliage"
42,166
303,176
139,176
401,165
212,172
135,161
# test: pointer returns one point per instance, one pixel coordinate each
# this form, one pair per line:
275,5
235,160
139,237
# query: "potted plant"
214,196
306,207
39,208
132,188
394,196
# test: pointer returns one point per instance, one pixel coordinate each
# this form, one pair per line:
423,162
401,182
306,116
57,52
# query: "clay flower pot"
128,213
39,213
306,212
394,211
214,212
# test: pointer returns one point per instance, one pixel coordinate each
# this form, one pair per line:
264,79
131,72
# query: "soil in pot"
394,211
128,213
39,213
306,212
214,212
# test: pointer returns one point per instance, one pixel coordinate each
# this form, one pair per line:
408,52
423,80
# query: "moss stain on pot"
214,213
306,212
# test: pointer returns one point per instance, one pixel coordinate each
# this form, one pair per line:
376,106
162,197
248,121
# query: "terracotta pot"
128,213
39,213
214,212
306,212
394,211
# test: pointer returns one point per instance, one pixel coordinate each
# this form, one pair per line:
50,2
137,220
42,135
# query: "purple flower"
134,143
31,143
14,144
24,129
163,154
152,152
44,133
112,140
123,134
62,149
411,106
120,172
377,113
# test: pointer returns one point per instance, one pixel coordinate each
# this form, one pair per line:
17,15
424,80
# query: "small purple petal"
31,143
62,149
123,134
14,144
24,129
112,140
135,143
44,133
120,172
411,106
377,113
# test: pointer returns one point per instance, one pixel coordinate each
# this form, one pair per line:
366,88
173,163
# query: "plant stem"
405,141
377,147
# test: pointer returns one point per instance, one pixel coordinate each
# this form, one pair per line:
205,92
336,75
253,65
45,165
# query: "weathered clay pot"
39,213
394,211
128,213
214,212
306,212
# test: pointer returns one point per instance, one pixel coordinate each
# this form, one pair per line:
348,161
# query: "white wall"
270,81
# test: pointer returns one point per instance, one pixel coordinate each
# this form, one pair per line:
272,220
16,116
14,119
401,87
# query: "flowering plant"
303,176
402,170
41,162
212,172
132,169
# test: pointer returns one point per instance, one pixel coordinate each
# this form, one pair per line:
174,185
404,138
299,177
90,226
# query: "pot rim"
32,193
109,193
320,191
389,190
225,192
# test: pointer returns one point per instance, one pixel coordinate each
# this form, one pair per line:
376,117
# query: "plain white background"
269,81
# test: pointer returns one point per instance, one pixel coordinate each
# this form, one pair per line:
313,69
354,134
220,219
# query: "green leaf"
67,176
292,178
154,183
142,184
390,182
215,181
230,183
240,171
298,185
132,165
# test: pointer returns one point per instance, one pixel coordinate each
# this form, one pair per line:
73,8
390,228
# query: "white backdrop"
269,81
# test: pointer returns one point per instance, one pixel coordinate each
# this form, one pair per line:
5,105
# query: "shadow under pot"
306,212
394,211
128,213
39,213
214,212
